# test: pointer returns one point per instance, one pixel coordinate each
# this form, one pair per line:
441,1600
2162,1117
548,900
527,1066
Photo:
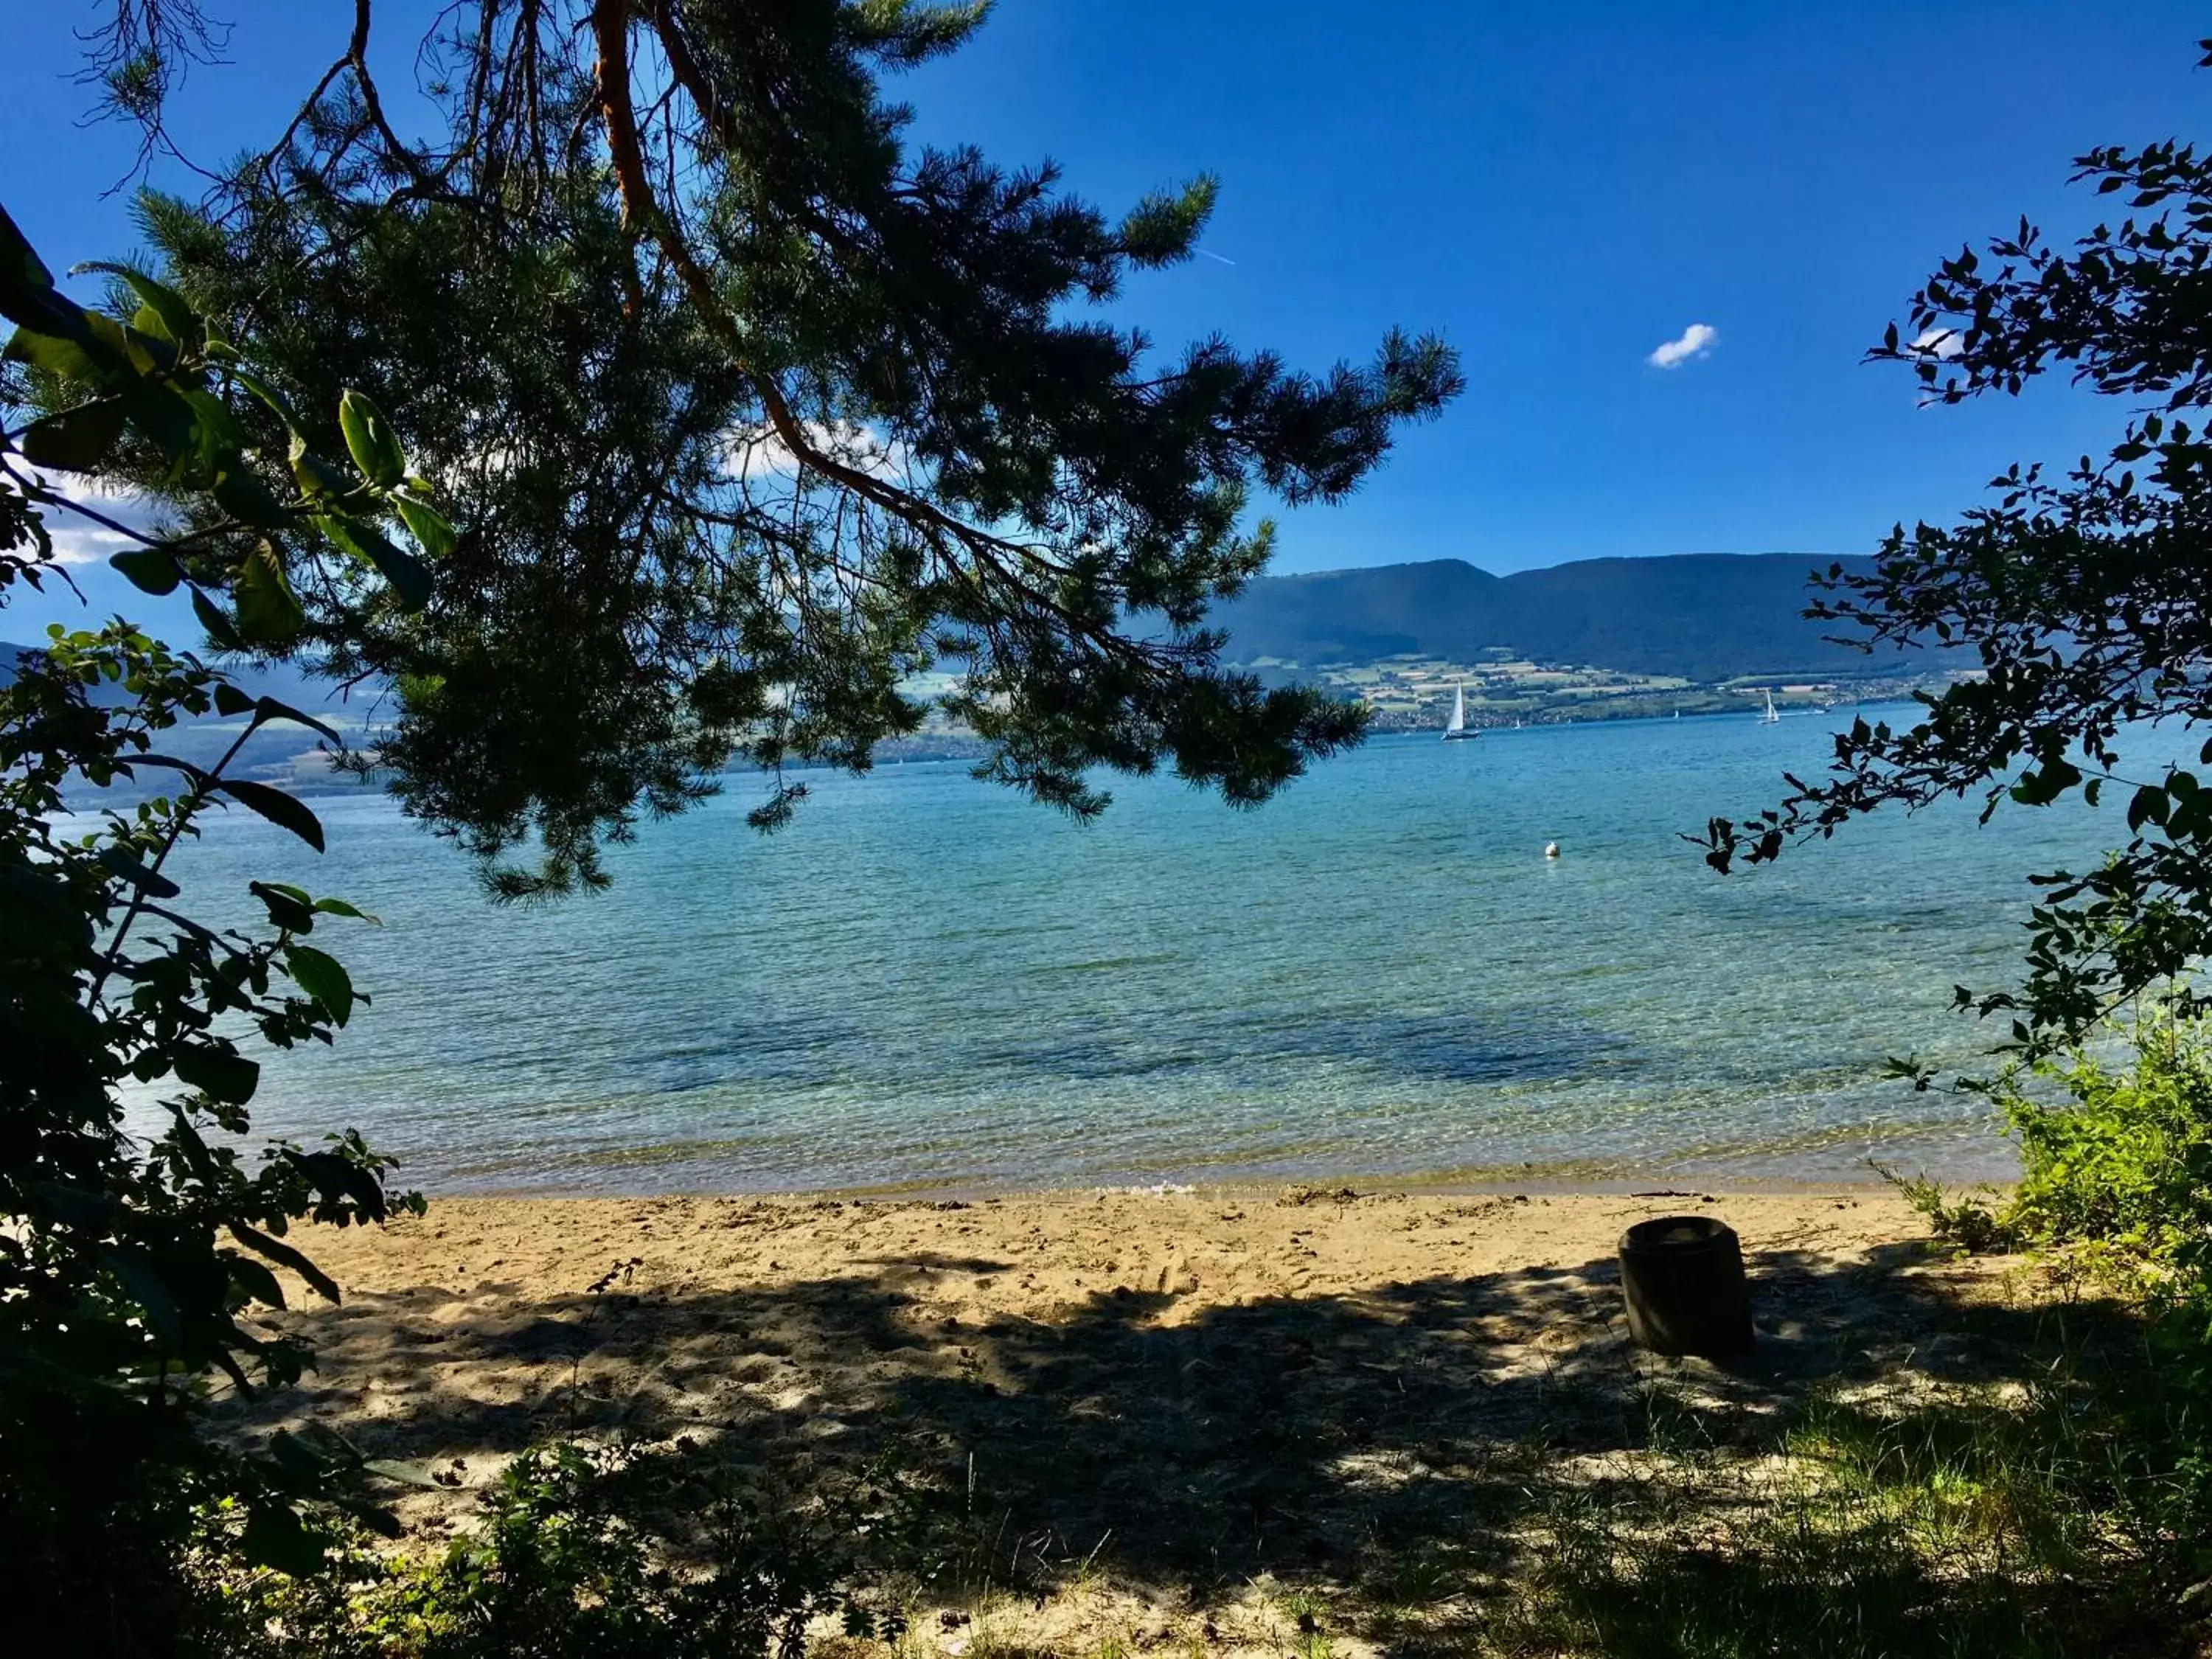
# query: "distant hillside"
1702,616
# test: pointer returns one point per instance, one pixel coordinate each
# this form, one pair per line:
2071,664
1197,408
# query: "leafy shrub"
2115,1162
582,1554
1970,1223
130,1254
2124,1166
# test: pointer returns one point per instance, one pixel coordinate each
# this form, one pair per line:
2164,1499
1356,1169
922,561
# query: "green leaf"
409,576
2149,806
269,612
316,477
22,270
370,441
429,526
266,709
275,1537
255,1279
283,1254
288,907
172,423
183,324
149,354
322,977
150,322
230,699
77,440
189,1142
216,439
240,492
286,812
120,864
64,358
80,1207
335,1176
2040,786
303,1461
337,907
219,1073
221,632
135,1270
269,395
149,569
197,774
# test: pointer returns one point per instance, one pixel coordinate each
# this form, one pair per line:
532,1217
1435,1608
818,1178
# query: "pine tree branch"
609,23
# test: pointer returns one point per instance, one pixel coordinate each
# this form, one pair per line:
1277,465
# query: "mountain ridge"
1698,616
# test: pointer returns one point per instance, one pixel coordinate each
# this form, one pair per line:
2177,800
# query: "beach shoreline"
1551,1183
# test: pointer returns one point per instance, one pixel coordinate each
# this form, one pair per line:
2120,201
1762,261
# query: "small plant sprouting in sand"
620,1272
1970,1223
1307,1614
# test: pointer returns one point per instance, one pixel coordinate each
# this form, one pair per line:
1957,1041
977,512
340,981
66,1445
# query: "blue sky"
1557,190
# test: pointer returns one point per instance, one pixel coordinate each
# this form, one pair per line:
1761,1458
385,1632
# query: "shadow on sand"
1381,1445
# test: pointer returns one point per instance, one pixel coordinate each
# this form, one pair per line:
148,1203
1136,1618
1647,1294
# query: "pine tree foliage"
756,412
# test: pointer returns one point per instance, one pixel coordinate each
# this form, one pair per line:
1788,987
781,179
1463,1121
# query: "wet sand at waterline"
1142,1411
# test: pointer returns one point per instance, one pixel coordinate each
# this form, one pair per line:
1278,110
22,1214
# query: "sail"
1459,711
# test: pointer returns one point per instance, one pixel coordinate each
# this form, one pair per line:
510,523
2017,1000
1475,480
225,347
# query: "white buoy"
1551,849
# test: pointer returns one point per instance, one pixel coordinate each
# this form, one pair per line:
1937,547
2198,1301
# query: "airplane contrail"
1213,256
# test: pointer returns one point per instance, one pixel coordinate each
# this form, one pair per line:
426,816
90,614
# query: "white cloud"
1946,343
1694,340
86,544
78,540
761,454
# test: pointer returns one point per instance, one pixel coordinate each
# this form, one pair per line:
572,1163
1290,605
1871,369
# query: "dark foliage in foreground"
750,416
570,1561
2083,597
136,1238
754,413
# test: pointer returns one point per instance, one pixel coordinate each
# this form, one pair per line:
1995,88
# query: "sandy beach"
1184,1396
1047,1257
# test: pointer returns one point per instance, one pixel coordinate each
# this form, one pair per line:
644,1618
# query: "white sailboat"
1457,727
1770,717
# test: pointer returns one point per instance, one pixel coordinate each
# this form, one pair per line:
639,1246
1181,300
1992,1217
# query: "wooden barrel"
1683,1278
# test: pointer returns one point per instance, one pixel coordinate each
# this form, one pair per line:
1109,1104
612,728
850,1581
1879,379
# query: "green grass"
2043,1504
2038,1518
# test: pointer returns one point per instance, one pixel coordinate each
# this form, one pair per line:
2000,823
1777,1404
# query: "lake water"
925,982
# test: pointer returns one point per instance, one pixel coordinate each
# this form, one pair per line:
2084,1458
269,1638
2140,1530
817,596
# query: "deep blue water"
927,981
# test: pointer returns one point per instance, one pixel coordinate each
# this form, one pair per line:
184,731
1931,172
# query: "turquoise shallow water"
925,980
